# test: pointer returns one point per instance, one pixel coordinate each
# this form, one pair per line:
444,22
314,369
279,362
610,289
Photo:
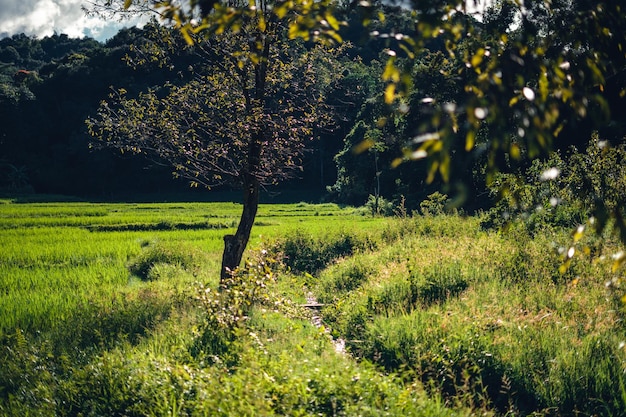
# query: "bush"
563,191
434,205
149,264
379,206
304,253
227,309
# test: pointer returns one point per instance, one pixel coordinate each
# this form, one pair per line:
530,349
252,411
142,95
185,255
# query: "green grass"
484,319
101,317
55,256
103,314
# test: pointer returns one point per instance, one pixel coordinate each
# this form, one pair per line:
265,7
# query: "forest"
317,209
50,86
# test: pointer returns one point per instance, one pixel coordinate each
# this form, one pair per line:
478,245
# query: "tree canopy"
433,83
530,72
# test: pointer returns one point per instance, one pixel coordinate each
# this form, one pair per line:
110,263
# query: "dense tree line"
49,86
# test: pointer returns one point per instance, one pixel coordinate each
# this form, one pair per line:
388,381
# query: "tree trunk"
234,245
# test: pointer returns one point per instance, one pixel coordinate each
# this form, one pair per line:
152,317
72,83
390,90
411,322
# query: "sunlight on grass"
442,317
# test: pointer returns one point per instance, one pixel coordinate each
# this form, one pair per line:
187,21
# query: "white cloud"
45,17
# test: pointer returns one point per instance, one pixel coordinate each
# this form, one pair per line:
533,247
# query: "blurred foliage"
577,189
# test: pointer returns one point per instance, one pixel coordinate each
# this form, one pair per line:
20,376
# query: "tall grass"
484,319
104,318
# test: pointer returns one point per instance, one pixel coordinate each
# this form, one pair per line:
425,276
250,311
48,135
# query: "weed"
227,309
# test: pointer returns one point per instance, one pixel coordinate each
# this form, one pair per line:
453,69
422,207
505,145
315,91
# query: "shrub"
226,309
304,253
562,191
153,256
379,206
434,205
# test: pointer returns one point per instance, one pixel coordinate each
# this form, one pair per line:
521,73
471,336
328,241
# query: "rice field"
57,257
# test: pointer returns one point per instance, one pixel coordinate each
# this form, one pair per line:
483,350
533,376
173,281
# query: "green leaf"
478,57
185,32
334,23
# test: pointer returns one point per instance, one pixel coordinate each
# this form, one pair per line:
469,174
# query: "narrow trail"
314,307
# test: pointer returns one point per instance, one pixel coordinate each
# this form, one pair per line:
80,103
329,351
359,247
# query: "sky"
41,18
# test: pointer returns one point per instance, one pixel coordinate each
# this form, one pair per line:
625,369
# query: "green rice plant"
160,226
125,317
38,299
27,376
443,318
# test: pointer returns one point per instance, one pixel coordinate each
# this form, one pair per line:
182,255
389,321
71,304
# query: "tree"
536,76
243,120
